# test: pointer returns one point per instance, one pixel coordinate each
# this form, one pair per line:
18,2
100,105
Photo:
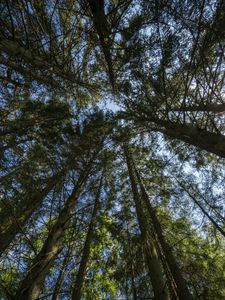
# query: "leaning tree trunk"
101,25
212,108
154,265
76,294
31,285
15,216
203,139
61,276
212,142
180,283
14,219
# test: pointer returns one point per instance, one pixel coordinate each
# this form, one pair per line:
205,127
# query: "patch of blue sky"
109,105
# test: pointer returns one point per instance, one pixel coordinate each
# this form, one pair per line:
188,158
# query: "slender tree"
14,219
31,285
79,81
182,290
152,259
61,276
76,294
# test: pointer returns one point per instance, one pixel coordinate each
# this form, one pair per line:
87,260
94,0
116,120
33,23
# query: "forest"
112,149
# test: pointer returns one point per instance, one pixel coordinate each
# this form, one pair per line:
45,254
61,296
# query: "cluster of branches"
103,205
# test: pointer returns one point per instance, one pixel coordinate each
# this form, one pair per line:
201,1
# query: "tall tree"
79,81
31,285
181,287
152,258
76,294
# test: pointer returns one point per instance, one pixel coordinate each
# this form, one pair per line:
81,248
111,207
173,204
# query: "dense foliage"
112,149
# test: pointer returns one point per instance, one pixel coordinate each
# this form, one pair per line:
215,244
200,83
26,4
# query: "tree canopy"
112,149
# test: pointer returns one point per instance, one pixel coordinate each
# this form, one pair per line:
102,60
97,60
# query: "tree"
150,249
112,149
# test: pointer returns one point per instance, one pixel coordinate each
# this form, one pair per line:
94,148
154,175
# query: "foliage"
153,163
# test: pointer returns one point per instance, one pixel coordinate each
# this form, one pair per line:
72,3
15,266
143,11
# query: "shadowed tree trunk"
154,265
31,285
61,276
76,294
101,25
14,219
214,108
14,216
203,139
132,272
181,286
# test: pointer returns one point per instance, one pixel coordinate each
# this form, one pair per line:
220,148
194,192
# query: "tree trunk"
101,25
214,108
31,285
60,279
76,294
132,274
181,285
14,219
203,139
154,266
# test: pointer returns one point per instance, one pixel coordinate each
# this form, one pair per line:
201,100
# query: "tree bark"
76,294
214,108
31,285
154,265
203,139
132,273
181,286
101,25
60,279
14,219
